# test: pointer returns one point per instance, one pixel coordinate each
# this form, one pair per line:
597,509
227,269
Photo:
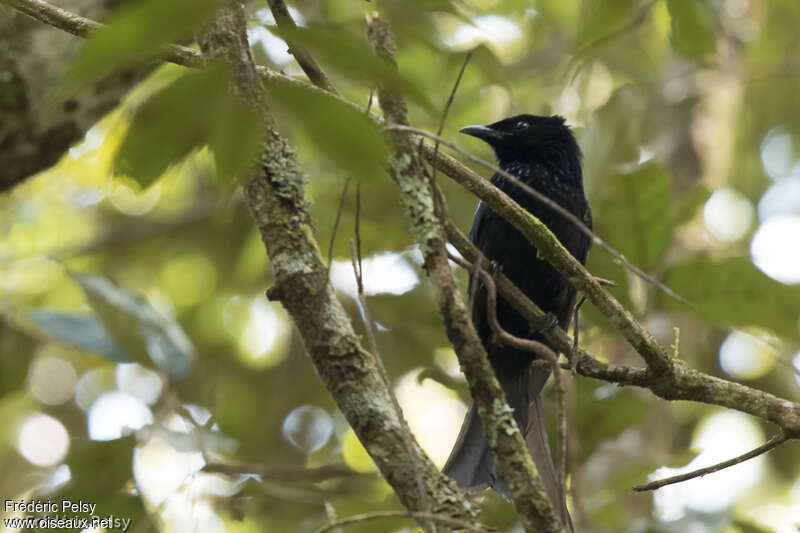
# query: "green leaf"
137,327
685,208
733,291
339,49
84,331
344,134
100,474
629,218
193,111
133,35
600,18
606,411
613,136
692,28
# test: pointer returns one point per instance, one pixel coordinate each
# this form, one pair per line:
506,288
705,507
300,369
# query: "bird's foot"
548,322
495,267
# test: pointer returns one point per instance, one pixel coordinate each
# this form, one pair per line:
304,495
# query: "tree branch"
504,436
309,65
276,200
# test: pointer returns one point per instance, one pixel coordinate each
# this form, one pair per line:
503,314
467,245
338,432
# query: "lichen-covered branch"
275,197
416,196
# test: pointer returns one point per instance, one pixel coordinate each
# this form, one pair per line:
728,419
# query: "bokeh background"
136,343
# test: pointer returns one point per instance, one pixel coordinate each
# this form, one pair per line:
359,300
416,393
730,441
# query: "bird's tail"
472,463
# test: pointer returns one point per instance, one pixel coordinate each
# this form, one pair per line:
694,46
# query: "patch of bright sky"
91,141
307,428
716,491
385,272
745,356
777,153
728,215
42,440
263,331
433,411
276,48
115,414
775,248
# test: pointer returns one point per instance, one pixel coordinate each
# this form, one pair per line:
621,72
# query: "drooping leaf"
629,217
692,28
735,292
135,34
613,136
83,331
606,411
340,49
600,18
195,110
137,327
342,133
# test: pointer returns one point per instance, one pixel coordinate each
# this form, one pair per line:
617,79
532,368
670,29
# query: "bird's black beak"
484,132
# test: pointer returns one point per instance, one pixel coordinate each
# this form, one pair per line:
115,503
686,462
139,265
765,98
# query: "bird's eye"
521,125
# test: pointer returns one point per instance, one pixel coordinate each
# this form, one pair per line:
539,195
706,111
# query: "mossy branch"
416,196
275,196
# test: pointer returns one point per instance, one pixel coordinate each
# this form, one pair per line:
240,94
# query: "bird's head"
527,138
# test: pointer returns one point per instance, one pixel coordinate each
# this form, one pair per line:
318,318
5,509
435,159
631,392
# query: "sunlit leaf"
692,28
733,292
342,133
195,110
338,48
138,327
600,18
83,331
100,473
135,34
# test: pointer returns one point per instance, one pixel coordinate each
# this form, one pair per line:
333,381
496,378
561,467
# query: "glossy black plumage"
543,153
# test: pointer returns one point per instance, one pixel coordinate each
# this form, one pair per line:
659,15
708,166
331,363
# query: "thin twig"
336,225
330,512
355,258
548,202
444,119
369,102
381,515
575,328
286,473
778,439
309,65
358,239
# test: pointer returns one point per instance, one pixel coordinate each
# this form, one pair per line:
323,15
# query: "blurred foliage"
159,263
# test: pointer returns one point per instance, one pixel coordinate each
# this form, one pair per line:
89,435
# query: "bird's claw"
495,267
